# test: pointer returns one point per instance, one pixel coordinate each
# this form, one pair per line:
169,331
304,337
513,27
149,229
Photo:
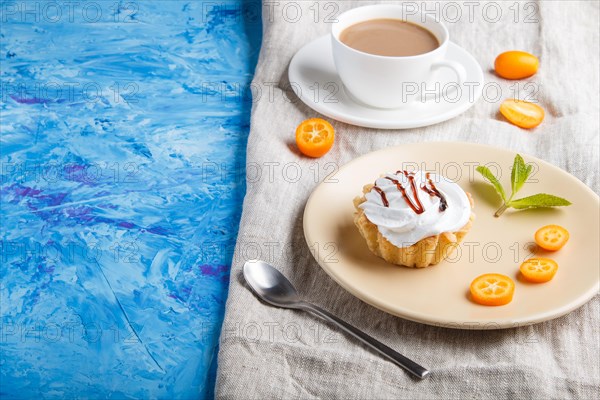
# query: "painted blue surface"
123,133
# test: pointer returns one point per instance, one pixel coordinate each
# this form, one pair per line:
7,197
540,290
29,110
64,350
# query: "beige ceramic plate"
438,295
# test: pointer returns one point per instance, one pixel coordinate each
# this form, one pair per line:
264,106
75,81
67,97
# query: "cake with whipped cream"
415,219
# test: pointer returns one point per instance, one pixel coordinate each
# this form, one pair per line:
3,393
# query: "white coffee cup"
389,82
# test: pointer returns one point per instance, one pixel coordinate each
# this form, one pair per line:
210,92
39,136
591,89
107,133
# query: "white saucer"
314,79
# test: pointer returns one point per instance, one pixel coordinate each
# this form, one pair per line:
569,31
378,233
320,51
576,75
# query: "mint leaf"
519,174
539,200
487,174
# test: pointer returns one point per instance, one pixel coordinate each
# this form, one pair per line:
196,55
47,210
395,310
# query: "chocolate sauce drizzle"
382,194
416,206
432,190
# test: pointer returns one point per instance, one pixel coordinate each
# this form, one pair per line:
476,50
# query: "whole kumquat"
516,64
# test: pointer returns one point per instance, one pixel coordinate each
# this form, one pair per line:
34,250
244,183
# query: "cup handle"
461,74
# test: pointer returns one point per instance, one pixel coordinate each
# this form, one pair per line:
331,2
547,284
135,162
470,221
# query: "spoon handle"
376,345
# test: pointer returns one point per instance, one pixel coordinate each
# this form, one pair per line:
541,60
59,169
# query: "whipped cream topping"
404,219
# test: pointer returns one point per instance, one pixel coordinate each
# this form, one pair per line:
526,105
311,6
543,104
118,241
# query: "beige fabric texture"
270,353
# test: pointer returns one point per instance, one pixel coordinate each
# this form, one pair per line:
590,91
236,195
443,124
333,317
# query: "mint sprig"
518,176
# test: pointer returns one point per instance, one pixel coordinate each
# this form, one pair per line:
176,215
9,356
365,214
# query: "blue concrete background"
123,133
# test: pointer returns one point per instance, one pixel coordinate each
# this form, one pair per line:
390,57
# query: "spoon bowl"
270,284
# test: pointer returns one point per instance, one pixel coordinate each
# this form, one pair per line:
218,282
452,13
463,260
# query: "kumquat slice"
522,113
539,270
551,237
492,289
315,137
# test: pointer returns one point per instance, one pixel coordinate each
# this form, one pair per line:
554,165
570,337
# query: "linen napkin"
272,353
